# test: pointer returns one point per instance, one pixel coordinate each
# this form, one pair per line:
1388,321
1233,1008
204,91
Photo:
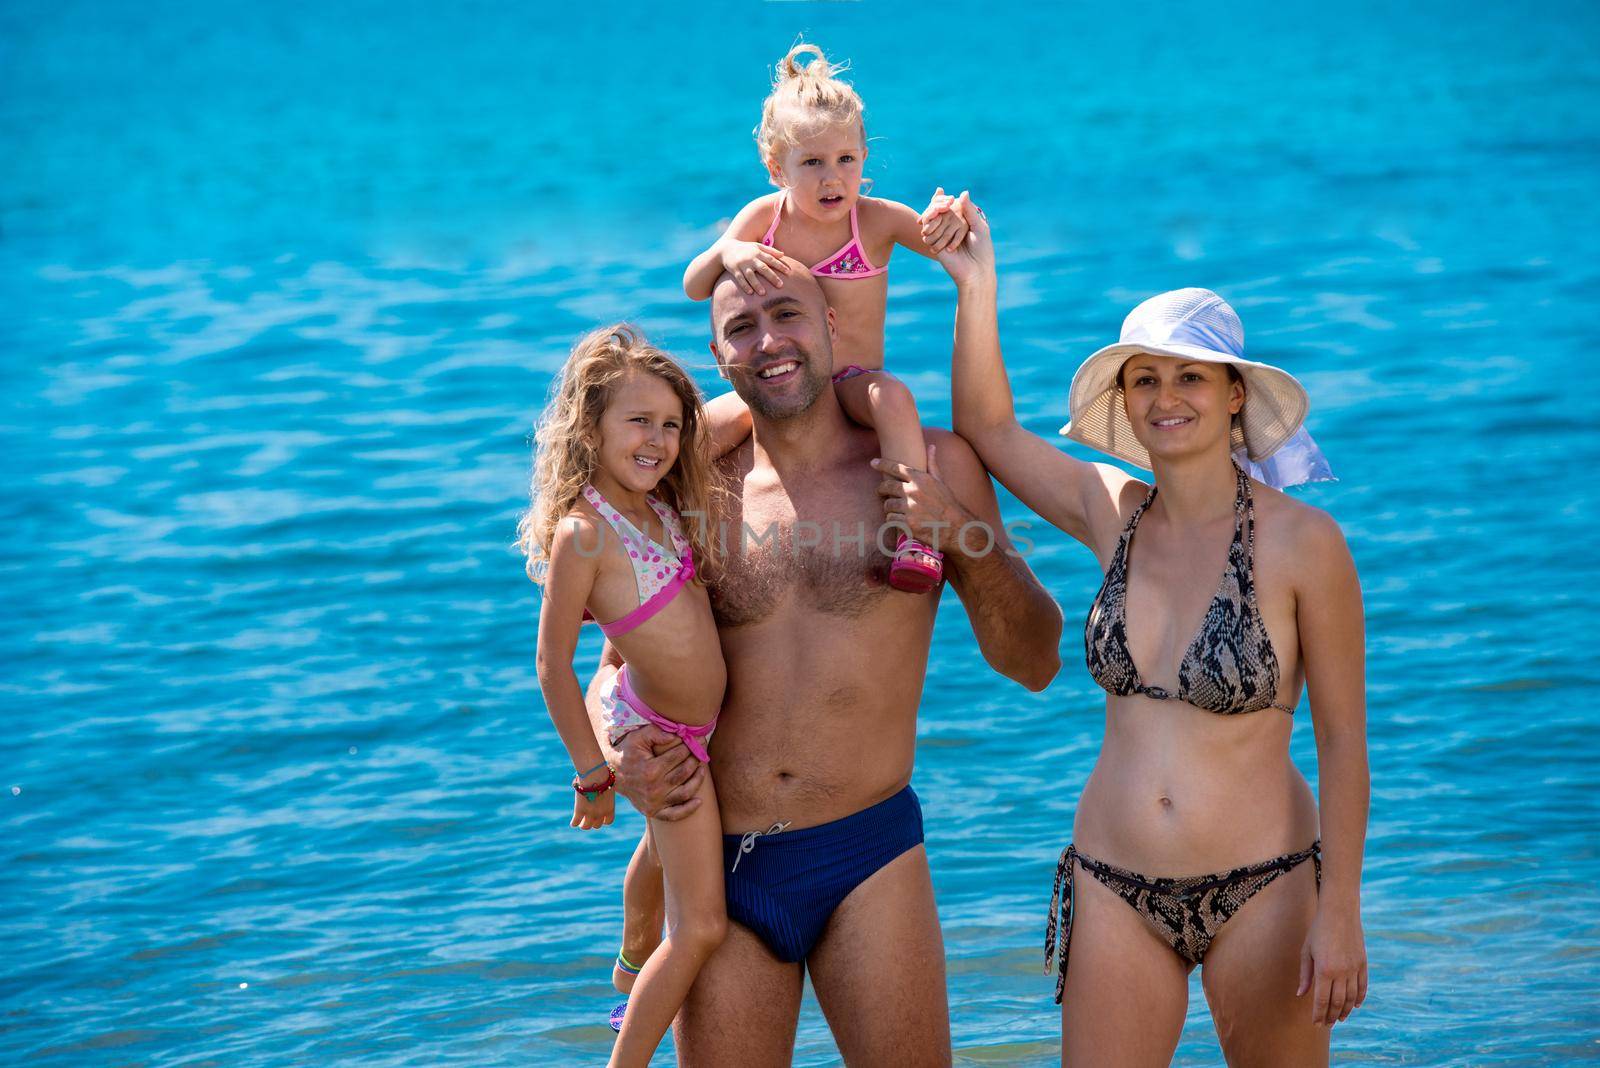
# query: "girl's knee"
702,933
892,396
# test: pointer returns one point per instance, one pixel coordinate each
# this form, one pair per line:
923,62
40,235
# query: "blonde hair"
568,443
806,97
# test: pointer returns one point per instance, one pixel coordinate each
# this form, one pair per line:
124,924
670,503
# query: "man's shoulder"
939,435
734,464
953,454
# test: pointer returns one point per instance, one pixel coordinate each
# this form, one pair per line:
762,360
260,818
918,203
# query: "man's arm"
952,507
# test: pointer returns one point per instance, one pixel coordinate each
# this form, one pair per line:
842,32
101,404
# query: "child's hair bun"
804,94
790,67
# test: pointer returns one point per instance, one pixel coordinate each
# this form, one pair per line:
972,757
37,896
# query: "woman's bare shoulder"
1305,536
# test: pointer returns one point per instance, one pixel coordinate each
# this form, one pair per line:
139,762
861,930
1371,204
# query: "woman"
1196,839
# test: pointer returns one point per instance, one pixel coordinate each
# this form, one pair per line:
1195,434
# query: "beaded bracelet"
591,792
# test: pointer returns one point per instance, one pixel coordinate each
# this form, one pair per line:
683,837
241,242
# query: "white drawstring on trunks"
748,842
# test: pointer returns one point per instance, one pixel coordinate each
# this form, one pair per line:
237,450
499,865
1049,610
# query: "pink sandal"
910,574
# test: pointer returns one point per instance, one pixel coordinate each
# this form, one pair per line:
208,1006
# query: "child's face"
822,170
639,432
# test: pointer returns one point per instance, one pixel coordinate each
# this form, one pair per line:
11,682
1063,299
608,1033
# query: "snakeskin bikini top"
1230,667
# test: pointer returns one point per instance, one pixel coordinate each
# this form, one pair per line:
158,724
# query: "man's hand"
658,774
922,502
973,259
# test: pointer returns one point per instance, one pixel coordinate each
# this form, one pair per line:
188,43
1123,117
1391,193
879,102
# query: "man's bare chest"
824,552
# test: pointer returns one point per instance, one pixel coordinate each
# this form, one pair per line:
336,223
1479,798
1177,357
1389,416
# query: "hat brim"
1275,402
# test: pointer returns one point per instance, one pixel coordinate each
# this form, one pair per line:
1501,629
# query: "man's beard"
797,402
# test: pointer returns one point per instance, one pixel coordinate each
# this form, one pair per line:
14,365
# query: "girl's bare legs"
883,402
643,910
691,863
1126,992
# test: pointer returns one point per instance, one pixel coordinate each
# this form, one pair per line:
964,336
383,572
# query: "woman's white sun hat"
1189,324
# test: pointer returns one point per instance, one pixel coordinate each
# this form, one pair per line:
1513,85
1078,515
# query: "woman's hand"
754,266
1333,964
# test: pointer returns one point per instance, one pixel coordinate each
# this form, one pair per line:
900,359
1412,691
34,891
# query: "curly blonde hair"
803,98
568,444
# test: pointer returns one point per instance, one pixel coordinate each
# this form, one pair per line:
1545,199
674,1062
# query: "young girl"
621,454
813,141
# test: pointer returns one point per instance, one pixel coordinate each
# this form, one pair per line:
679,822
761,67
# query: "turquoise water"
281,288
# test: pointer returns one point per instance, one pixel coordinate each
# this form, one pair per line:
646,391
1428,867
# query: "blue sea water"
281,290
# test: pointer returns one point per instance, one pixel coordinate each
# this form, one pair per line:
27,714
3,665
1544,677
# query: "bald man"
824,865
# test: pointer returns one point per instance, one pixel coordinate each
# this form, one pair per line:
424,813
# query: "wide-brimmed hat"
1189,324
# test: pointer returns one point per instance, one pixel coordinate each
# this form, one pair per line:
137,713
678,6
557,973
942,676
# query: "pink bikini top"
658,572
850,262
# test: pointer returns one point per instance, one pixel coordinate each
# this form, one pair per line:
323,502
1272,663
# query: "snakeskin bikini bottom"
1185,912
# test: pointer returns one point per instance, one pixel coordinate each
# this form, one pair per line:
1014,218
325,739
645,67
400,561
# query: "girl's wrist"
591,775
591,791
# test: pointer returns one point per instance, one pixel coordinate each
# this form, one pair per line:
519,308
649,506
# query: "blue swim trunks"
784,885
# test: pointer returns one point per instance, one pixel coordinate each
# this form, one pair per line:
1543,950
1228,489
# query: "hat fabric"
1189,324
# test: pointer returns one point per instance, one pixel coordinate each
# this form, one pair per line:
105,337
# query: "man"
824,864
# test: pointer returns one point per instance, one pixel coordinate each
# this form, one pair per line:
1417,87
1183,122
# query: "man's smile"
776,371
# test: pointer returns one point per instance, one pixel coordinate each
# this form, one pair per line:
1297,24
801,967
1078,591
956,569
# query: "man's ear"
833,325
722,372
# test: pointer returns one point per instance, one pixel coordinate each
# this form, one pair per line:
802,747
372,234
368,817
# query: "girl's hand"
939,203
973,258
754,266
944,223
1333,964
592,815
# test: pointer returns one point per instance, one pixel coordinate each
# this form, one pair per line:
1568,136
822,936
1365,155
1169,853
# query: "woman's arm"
1078,497
574,563
753,264
1333,649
